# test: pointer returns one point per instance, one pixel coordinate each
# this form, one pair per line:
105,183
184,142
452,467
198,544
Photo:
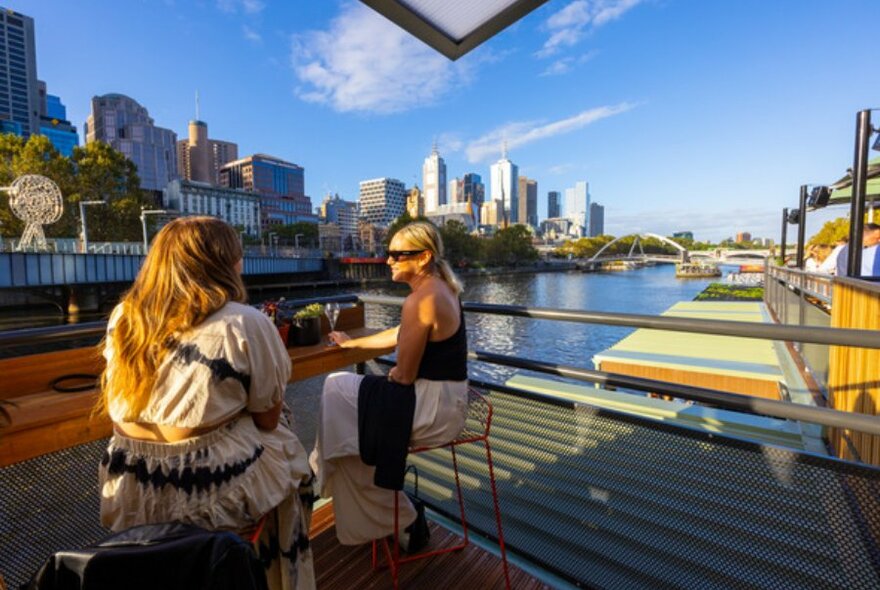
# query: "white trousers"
363,511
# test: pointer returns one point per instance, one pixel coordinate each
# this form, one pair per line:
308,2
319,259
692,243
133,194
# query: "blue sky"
701,115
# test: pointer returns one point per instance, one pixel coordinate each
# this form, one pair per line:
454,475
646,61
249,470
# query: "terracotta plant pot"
304,332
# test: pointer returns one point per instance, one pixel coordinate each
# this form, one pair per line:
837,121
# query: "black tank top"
446,360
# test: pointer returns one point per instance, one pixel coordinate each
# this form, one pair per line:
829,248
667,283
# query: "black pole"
784,233
859,189
802,227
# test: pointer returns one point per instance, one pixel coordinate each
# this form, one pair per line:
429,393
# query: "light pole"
296,241
82,219
144,213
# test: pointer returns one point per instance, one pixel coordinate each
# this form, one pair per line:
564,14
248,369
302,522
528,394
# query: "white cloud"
365,63
570,24
560,169
521,133
251,35
248,6
565,64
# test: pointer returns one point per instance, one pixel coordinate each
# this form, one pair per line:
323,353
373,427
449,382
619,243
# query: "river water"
649,290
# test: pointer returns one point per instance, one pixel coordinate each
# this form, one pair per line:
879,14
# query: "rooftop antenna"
504,150
434,146
197,106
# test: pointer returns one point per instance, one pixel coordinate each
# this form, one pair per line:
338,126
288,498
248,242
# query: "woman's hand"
339,338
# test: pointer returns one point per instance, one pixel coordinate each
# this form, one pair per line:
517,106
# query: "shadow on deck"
341,567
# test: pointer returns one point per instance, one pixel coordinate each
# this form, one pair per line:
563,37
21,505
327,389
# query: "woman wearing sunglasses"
367,423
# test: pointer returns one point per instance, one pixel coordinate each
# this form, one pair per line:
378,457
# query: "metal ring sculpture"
37,201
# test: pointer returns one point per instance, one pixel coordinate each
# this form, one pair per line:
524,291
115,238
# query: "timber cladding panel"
854,373
764,388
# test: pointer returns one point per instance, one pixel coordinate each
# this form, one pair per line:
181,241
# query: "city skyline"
681,115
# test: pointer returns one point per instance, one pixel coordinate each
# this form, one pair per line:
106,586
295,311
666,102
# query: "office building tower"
474,192
234,206
382,200
684,235
492,213
415,204
200,158
504,185
553,201
54,124
743,236
434,181
280,184
127,126
463,213
342,213
528,202
576,207
19,90
597,220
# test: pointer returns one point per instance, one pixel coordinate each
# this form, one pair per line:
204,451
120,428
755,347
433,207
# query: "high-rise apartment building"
280,184
127,126
475,192
528,202
576,207
54,124
25,107
234,206
743,236
504,187
492,213
382,200
341,212
19,90
434,181
200,158
553,201
597,220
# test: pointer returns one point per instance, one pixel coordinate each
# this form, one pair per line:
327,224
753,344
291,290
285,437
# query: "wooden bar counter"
43,420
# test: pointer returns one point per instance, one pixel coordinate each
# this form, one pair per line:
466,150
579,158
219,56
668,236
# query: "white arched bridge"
717,256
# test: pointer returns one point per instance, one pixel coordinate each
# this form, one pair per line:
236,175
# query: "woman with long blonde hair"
194,385
367,423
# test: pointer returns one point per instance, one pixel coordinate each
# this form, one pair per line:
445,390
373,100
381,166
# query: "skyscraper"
382,200
597,220
127,126
455,194
54,124
342,213
280,184
200,158
19,91
577,206
528,201
475,192
415,204
553,199
434,181
504,185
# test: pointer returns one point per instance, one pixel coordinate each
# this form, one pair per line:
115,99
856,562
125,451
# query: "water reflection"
648,291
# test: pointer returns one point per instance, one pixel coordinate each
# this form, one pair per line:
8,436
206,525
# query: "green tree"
309,231
460,247
36,156
105,174
831,232
511,246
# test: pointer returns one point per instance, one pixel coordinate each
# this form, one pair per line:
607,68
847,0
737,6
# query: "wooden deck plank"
340,567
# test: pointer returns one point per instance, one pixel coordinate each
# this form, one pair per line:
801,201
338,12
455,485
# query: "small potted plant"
306,327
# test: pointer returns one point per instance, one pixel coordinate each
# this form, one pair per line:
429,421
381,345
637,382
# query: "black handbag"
418,531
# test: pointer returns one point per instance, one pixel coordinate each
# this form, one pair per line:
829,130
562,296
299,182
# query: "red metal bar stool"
476,430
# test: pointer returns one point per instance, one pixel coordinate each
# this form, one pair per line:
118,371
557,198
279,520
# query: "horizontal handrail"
712,397
817,335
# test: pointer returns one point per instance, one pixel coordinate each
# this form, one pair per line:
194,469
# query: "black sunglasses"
396,254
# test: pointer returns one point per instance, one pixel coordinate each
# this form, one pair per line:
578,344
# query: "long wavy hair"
424,236
189,273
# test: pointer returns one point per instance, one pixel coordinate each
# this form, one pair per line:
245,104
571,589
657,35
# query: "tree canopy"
95,172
